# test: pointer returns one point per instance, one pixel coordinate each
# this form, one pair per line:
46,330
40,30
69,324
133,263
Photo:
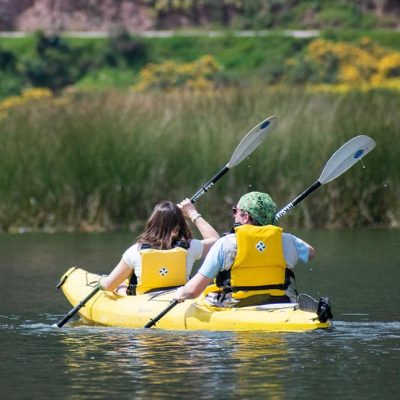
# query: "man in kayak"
253,264
164,254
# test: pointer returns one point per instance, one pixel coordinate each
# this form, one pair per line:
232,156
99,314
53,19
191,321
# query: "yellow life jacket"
162,269
259,266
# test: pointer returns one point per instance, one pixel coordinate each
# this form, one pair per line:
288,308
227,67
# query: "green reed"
103,160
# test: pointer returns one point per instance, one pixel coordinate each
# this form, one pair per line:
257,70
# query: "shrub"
122,50
55,63
169,75
362,63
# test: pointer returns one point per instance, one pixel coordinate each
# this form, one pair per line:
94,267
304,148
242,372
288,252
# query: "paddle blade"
252,140
345,157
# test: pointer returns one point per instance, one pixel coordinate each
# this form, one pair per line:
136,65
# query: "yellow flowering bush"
28,95
388,68
169,75
346,66
36,94
354,64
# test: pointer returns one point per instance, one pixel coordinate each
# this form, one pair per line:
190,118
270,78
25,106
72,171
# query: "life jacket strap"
133,281
179,243
264,287
223,282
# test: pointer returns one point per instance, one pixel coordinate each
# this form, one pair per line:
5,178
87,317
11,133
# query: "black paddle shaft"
153,321
67,317
297,200
209,184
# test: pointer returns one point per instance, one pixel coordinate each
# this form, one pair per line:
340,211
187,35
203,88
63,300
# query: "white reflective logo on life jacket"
261,246
163,271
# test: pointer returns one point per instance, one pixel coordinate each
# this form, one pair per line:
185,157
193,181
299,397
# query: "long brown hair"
165,227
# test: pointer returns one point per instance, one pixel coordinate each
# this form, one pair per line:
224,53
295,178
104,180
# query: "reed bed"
99,161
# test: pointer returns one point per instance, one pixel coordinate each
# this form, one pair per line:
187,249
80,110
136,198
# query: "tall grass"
102,160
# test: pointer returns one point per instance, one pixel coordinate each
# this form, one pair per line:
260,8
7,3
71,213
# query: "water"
358,358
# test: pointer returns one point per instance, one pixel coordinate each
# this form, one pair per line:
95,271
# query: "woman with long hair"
164,254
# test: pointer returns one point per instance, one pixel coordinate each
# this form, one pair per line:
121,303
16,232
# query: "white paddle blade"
252,140
345,157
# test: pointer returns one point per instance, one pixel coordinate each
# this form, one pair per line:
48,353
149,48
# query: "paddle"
343,159
246,146
153,321
68,316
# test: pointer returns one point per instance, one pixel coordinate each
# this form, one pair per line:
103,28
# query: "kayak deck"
110,309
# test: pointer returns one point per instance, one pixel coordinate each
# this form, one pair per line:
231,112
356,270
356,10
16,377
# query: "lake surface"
359,358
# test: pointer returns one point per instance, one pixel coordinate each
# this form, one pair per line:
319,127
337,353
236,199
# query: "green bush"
10,81
55,65
123,50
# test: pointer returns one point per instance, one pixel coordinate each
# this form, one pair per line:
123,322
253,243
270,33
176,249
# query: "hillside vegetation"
140,15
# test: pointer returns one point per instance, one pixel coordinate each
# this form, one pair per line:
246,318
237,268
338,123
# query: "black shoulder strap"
179,243
235,225
182,244
132,284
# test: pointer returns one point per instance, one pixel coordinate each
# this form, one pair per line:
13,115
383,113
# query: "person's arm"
194,288
305,250
296,249
311,252
121,272
207,272
209,234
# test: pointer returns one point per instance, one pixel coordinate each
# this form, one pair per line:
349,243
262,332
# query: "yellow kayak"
110,309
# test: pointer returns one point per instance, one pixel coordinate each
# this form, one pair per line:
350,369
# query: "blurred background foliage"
123,60
95,131
95,161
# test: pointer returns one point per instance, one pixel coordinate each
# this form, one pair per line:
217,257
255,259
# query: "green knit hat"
259,206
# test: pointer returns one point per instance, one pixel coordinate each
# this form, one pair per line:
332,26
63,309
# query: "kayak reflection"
162,364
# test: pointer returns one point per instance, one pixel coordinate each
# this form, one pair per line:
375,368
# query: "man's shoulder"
288,236
227,239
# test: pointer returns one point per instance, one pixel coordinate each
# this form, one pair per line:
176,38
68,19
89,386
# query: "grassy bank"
102,160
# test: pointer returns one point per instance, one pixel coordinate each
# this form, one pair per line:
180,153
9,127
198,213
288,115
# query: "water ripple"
161,364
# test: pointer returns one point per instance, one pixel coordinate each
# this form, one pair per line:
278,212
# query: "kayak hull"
110,309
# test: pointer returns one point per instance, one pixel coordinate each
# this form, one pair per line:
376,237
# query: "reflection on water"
179,363
358,358
99,362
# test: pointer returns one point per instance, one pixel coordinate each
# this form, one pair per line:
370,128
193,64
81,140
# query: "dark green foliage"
10,80
124,50
55,65
56,62
7,61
